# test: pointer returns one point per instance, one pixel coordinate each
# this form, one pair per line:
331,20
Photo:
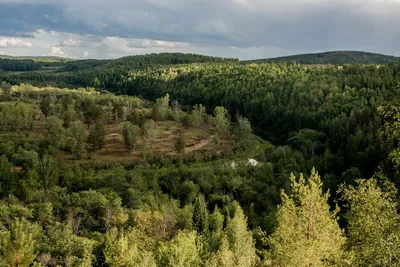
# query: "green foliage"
180,144
6,88
307,232
45,106
242,133
55,134
188,121
16,118
29,160
78,137
221,120
97,135
47,171
91,112
128,249
160,110
148,129
7,183
181,210
18,247
131,134
337,58
373,223
240,240
181,251
198,114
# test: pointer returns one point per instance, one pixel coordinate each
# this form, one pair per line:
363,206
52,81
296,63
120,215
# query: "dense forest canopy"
186,160
336,58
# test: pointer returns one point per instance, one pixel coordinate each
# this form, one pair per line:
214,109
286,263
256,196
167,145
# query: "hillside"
155,155
336,58
39,58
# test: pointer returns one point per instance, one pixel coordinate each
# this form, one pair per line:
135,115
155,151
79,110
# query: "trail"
200,145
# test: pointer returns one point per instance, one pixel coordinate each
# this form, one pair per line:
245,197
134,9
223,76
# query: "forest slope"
336,58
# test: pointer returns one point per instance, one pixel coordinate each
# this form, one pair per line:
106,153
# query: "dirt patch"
201,144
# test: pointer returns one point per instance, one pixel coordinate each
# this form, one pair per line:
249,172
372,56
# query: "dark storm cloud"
22,19
287,24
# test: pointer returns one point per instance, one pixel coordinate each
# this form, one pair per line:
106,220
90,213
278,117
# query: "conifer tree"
373,223
240,239
307,232
128,249
18,246
181,251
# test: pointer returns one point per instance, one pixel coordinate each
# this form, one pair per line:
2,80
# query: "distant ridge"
336,58
39,58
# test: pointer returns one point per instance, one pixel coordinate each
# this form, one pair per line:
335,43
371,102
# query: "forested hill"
336,58
39,58
123,65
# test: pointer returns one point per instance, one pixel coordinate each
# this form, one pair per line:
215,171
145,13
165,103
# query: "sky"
244,29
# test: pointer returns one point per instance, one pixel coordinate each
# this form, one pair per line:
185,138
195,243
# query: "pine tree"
18,246
128,249
307,232
181,251
240,239
373,223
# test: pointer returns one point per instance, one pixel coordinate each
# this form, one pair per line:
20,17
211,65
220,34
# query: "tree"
91,111
242,133
78,139
176,109
6,88
160,109
188,121
55,132
307,233
180,144
240,240
198,114
224,257
47,171
149,127
18,246
128,249
7,183
221,120
131,134
69,115
97,135
45,106
373,223
181,251
128,106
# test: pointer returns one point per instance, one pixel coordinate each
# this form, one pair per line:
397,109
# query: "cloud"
2,53
12,42
56,51
147,43
70,42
